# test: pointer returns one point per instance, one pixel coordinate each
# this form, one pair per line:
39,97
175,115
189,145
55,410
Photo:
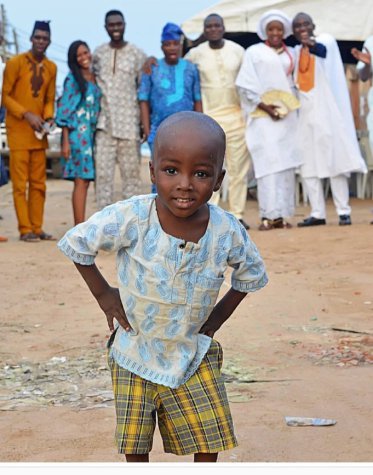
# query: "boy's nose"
184,183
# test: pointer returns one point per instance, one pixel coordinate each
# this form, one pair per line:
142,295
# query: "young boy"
173,249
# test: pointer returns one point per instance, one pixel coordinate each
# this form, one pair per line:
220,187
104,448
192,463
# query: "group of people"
269,100
307,122
98,112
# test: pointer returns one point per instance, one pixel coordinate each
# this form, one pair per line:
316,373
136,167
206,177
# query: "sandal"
46,237
29,237
280,223
266,225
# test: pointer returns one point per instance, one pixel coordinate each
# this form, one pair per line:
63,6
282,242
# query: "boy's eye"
170,171
201,174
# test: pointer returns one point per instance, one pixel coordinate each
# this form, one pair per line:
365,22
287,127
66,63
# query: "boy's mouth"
184,203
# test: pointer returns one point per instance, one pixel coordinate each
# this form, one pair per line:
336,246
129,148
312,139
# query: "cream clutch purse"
285,101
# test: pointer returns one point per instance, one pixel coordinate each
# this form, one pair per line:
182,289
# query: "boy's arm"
107,297
222,311
248,275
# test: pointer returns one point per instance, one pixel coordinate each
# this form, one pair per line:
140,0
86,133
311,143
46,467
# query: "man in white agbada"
218,61
327,135
271,130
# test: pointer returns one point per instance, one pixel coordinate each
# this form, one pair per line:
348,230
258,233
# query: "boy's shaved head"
194,129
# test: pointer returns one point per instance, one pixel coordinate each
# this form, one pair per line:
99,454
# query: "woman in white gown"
266,87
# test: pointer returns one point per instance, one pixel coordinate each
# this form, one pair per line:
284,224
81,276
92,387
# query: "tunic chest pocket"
205,293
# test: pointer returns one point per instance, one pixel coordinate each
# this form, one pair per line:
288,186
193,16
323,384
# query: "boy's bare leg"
205,457
137,458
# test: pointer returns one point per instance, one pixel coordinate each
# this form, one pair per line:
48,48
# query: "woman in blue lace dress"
77,114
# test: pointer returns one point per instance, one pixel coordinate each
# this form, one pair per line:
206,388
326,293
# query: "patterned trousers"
109,151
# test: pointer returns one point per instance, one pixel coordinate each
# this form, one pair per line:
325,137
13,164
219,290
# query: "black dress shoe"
311,221
245,225
344,220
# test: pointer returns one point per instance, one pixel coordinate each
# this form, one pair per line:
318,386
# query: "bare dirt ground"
300,347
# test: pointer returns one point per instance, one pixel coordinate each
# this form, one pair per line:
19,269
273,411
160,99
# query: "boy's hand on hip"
211,326
222,311
111,305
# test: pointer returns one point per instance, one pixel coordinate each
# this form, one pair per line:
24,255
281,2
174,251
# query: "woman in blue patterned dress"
77,114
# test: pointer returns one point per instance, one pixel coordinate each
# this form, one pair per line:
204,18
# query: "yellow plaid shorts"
193,418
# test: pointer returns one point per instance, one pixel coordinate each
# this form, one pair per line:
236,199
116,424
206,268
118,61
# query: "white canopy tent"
348,20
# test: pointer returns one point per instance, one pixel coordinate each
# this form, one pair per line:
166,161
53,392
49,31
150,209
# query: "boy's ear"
151,169
219,180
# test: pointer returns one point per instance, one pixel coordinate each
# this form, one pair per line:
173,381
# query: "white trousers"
276,194
340,193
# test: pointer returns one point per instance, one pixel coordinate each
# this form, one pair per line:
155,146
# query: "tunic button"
182,246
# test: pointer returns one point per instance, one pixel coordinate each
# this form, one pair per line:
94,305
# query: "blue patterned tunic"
80,117
168,287
169,89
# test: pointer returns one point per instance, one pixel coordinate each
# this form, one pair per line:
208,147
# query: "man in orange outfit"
28,95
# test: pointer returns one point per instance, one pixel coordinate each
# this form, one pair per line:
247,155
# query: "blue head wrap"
171,32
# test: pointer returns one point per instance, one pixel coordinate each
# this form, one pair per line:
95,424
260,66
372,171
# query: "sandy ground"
300,347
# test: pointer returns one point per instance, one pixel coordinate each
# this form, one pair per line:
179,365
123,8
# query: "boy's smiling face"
187,168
